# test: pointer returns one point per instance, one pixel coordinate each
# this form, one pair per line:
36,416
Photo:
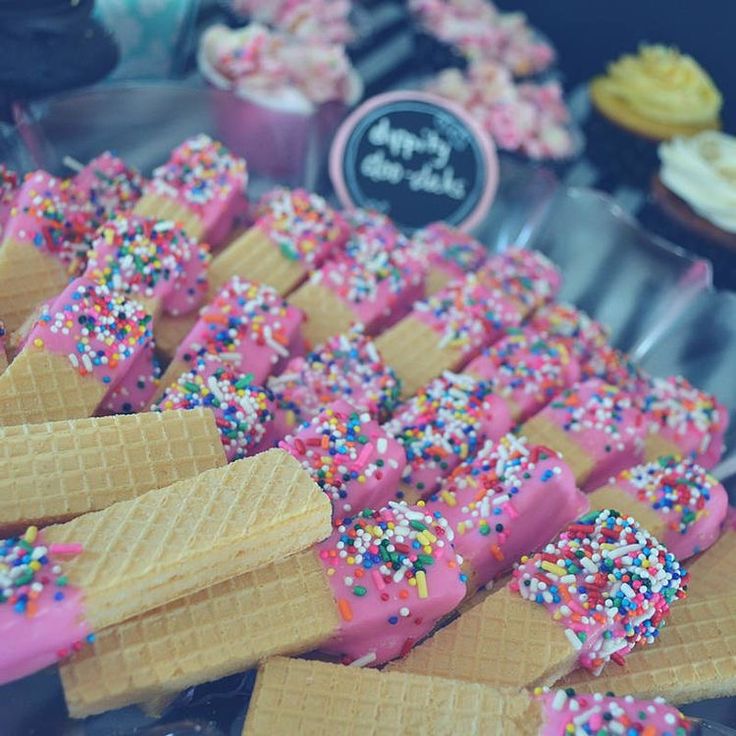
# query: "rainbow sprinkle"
446,245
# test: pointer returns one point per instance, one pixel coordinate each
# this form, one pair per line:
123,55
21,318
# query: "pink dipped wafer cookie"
45,241
447,330
347,366
526,370
350,457
447,422
107,185
681,503
249,326
524,274
372,283
243,412
393,574
509,500
201,186
295,234
682,419
595,426
450,252
77,352
154,261
613,366
602,588
135,390
582,335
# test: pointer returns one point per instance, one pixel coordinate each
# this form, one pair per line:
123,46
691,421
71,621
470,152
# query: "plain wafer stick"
55,471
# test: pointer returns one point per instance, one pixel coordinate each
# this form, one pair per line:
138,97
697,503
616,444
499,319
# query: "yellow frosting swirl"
665,86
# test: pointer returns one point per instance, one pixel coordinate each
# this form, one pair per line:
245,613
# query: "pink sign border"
485,144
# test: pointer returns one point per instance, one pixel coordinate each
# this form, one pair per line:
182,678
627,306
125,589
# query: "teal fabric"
150,33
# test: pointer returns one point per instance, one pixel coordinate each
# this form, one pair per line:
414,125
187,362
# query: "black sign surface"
415,158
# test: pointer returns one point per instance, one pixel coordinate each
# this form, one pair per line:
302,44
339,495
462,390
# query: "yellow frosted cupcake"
658,93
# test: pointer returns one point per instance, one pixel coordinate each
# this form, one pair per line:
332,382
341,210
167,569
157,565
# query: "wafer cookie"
79,348
365,607
450,253
308,697
695,656
201,186
680,415
595,426
55,471
140,554
39,248
373,282
535,636
294,235
445,331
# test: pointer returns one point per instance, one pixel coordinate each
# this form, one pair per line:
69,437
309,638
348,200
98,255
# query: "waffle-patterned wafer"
55,471
40,248
695,656
201,186
314,698
539,629
676,500
79,349
142,553
595,426
294,235
137,555
446,331
366,606
373,283
285,607
309,697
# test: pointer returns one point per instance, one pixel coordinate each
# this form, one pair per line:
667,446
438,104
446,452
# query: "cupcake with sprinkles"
526,370
33,592
682,419
243,412
607,583
506,501
393,574
678,500
154,261
346,366
350,457
444,424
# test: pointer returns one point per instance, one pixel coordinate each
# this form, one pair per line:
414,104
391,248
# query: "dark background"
588,34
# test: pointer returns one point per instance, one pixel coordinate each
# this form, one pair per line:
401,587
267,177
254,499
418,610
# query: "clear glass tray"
657,300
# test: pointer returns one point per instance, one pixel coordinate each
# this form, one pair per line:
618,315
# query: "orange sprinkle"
345,611
496,552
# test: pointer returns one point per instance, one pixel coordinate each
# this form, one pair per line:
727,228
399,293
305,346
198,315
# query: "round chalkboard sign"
417,158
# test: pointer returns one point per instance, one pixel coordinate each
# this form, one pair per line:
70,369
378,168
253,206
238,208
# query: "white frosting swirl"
702,171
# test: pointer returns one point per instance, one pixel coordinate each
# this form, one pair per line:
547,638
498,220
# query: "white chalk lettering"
432,182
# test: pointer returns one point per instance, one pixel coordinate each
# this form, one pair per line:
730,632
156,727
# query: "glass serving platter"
657,300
